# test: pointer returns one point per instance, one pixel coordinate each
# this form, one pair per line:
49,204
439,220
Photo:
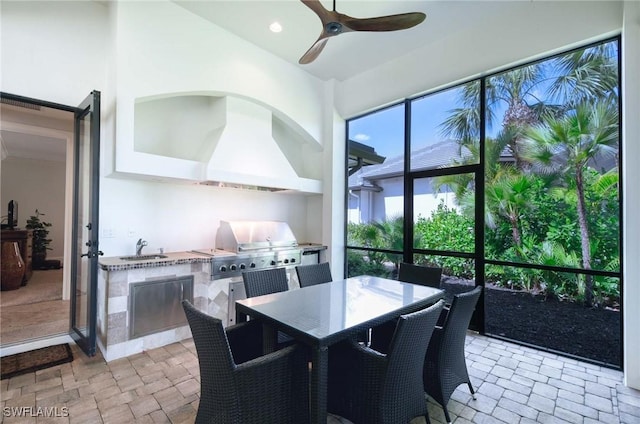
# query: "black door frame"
89,346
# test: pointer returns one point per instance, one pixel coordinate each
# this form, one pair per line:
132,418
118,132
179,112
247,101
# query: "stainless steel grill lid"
243,236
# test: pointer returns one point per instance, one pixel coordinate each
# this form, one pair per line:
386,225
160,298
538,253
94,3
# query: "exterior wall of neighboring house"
426,199
366,205
378,190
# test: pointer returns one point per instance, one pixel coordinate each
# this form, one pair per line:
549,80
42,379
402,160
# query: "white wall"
162,49
175,51
37,184
60,51
53,50
180,217
631,195
333,208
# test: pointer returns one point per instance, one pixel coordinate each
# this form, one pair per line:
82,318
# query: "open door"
84,251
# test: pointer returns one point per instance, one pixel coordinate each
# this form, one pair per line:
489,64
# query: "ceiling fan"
335,23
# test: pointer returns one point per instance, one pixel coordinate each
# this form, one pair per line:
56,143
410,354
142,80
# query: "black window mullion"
407,254
345,264
620,203
479,210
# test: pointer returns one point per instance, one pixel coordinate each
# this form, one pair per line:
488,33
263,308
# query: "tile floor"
35,310
514,385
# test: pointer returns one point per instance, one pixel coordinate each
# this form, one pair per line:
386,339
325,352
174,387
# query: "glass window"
551,176
445,128
458,274
379,264
443,210
376,180
551,206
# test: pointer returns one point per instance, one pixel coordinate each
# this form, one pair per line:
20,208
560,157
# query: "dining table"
324,314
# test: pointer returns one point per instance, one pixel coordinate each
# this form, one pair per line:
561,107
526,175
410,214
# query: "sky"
384,129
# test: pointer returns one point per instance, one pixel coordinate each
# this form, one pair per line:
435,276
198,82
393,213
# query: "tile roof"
433,156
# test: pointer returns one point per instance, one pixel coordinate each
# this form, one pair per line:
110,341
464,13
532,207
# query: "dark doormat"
34,360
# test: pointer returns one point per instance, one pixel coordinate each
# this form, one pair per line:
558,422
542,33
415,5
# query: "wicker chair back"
309,275
267,281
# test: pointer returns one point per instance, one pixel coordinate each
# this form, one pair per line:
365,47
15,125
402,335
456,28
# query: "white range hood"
246,154
223,141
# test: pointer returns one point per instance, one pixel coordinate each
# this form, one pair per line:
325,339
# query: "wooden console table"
25,241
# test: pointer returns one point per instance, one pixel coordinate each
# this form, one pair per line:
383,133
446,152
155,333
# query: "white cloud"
361,137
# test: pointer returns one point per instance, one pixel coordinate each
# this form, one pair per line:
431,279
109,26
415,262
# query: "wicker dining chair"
266,281
309,275
265,389
369,387
445,367
420,274
408,273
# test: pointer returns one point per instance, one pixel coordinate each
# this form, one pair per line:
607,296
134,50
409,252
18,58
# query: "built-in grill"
251,245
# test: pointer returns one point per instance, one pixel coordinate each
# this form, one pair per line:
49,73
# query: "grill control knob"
233,267
242,266
293,260
286,261
273,262
252,265
223,268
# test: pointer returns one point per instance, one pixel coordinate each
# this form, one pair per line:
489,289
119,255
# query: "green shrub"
446,229
360,263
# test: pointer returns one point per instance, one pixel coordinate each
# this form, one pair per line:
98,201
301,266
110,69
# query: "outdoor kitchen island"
139,300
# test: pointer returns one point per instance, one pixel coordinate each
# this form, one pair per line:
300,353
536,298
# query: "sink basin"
142,257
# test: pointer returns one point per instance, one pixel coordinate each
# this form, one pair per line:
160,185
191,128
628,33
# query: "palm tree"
578,132
391,237
563,147
508,197
511,88
586,75
506,188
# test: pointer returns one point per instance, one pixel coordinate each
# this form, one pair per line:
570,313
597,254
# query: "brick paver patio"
514,384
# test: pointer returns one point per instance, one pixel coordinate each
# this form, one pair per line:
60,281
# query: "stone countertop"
306,247
115,263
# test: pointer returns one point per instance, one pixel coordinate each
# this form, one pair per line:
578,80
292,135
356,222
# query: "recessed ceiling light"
275,27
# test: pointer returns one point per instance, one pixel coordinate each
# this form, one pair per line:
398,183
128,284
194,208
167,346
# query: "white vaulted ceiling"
356,53
351,53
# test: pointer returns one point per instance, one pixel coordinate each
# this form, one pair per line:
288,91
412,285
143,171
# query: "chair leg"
446,414
473,394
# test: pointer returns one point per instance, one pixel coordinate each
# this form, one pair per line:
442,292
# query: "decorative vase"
12,266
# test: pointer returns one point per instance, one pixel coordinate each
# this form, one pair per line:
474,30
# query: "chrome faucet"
139,245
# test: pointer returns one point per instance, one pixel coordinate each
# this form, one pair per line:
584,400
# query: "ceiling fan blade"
385,23
335,23
317,7
314,50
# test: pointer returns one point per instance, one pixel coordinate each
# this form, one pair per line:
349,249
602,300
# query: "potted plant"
40,240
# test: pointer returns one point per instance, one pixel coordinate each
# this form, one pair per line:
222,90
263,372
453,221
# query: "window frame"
478,170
